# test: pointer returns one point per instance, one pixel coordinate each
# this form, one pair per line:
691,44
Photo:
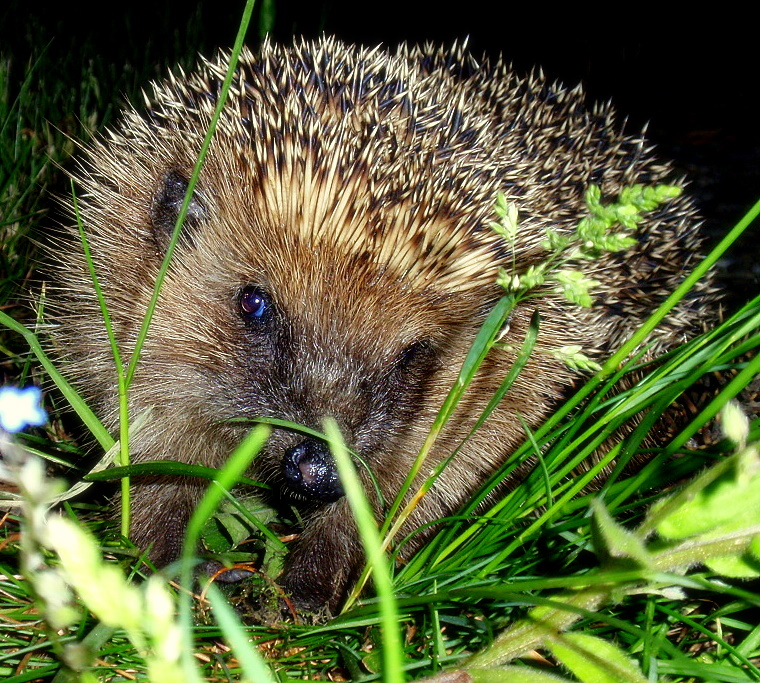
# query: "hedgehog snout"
310,471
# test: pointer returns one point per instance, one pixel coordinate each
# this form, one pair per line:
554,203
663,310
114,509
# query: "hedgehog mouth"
310,472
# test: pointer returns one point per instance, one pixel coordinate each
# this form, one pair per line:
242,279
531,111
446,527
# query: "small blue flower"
20,408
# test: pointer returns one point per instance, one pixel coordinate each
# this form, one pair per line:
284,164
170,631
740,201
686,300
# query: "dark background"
692,79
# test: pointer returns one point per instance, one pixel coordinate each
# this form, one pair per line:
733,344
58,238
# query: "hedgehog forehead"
354,151
414,227
319,288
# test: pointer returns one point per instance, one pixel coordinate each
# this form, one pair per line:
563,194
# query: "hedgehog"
337,261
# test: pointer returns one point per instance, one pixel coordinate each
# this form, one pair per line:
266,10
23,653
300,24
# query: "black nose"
310,471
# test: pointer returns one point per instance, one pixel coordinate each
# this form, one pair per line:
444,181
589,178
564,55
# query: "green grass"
483,572
465,588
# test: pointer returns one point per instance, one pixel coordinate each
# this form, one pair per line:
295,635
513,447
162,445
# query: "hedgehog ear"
166,207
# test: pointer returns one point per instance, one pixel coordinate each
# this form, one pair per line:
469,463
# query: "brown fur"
355,189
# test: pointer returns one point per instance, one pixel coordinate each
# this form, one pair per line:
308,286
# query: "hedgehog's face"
302,360
322,333
325,341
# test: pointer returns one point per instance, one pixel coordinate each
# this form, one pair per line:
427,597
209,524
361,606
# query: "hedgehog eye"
255,304
414,354
166,208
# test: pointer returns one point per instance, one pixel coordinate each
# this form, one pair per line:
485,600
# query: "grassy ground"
539,546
